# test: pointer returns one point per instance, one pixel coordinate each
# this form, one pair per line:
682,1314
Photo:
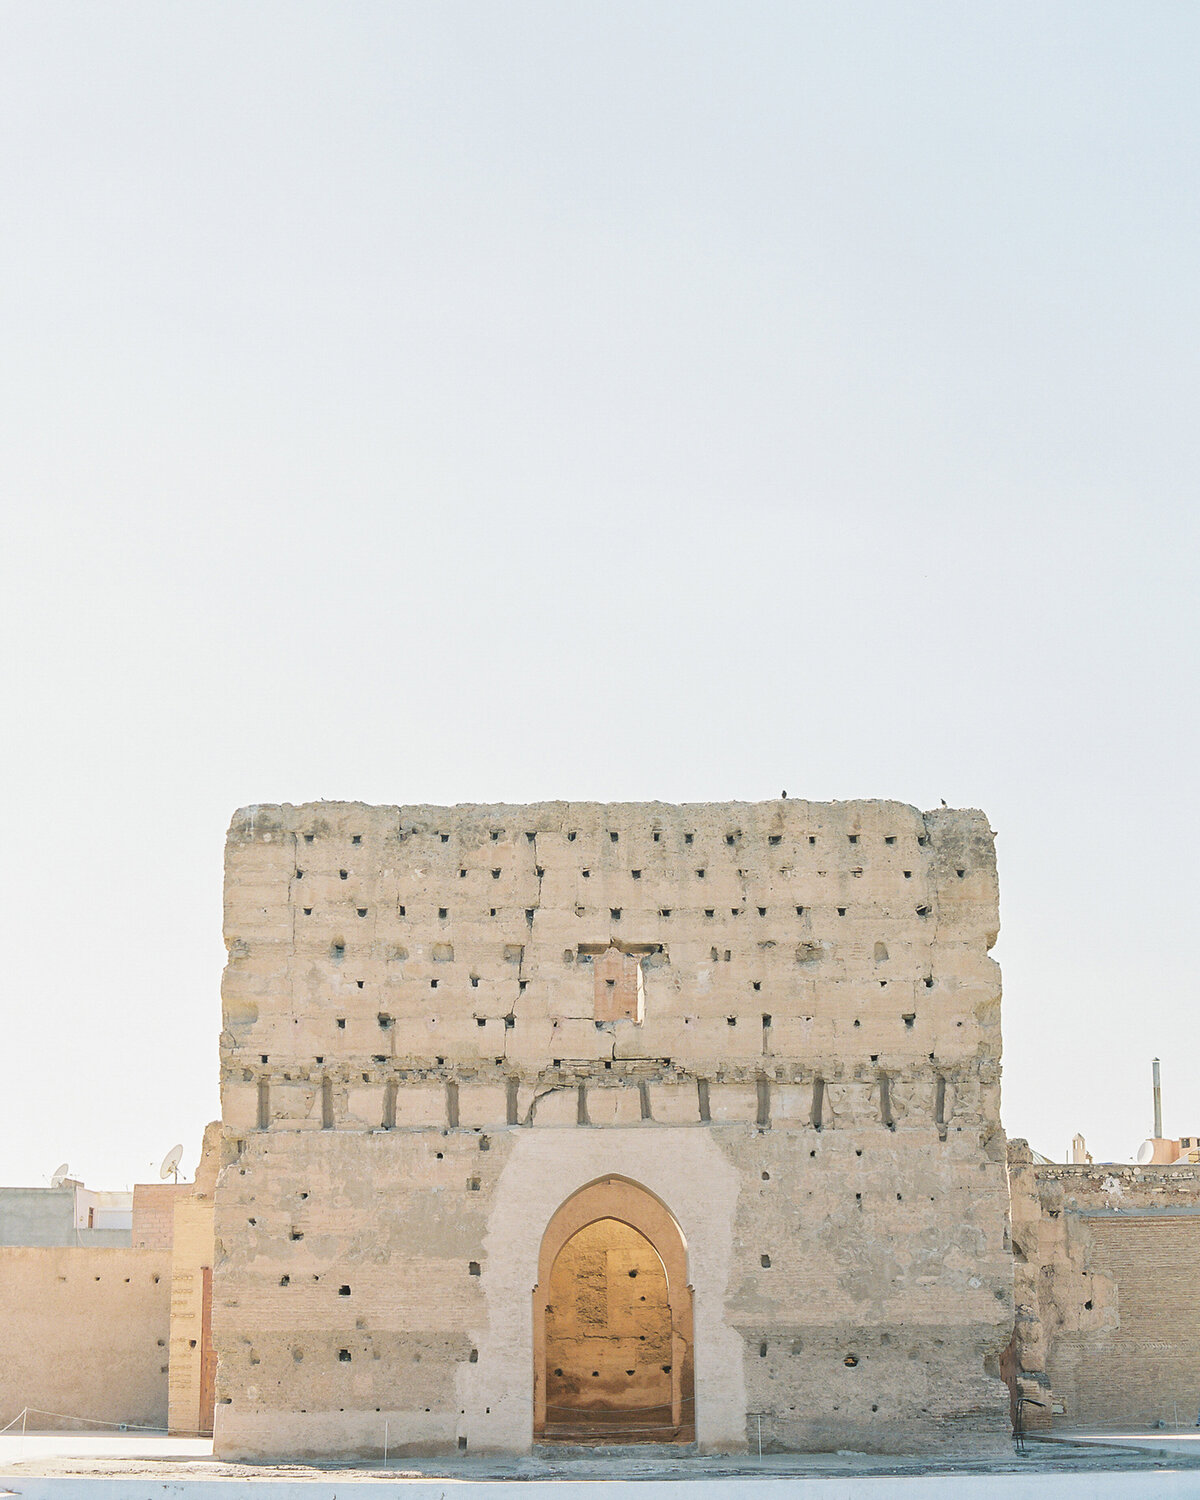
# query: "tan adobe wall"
781,1019
1108,1305
191,1382
85,1335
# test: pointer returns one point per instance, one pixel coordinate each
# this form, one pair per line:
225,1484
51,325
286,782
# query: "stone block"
614,1106
482,1104
732,1102
558,1106
674,1103
421,1104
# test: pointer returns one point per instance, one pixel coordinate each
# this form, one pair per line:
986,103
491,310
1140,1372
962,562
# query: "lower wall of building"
850,1287
1108,1296
85,1335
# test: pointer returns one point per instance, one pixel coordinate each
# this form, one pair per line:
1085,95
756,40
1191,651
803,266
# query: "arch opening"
613,1322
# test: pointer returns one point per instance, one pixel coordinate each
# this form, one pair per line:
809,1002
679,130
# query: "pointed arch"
628,1203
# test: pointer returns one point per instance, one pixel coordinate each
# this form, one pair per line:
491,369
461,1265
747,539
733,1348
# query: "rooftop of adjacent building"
68,1213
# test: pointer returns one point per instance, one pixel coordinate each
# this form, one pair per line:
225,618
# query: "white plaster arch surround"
698,1185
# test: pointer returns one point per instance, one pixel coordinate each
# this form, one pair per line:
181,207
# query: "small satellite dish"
1145,1153
61,1174
170,1166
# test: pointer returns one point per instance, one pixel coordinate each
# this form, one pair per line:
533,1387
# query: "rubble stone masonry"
777,1021
1107,1292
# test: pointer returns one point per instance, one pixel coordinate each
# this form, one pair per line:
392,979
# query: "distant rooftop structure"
66,1214
1160,1151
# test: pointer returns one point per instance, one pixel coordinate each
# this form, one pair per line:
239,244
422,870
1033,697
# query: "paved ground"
1080,1466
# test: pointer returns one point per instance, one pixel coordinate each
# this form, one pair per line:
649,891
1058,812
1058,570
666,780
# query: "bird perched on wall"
945,803
783,795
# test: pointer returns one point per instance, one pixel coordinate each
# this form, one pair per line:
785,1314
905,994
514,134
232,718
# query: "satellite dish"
61,1173
1145,1153
170,1166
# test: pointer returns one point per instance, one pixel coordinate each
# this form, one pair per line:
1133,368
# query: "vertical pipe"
1157,1102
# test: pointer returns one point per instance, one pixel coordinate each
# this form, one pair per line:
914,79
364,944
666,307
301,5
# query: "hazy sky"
459,402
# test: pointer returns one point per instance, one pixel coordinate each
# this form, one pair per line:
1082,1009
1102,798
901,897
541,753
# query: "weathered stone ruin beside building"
1107,1292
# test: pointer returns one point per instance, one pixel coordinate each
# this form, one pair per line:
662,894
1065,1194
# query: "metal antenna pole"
1157,1101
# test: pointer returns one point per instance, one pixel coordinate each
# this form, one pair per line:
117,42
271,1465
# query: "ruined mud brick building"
1107,1291
625,1122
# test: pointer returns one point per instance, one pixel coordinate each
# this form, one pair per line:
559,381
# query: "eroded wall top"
838,938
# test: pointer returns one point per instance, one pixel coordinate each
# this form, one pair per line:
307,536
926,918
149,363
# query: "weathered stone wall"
84,1335
779,1018
1108,1299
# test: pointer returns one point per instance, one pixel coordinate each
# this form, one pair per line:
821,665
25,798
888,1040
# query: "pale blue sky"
448,402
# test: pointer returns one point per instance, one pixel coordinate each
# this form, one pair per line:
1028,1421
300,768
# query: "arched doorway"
612,1314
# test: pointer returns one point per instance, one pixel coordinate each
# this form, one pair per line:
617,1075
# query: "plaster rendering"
481,1062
